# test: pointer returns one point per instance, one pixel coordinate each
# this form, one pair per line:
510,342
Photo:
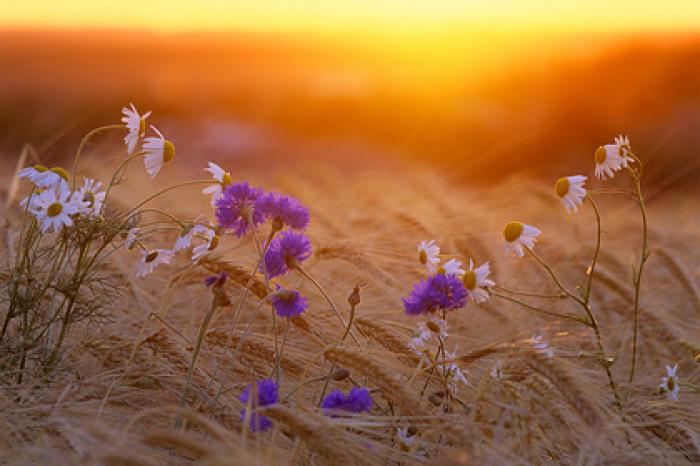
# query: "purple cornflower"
236,211
288,303
356,401
216,280
283,210
286,251
435,293
267,395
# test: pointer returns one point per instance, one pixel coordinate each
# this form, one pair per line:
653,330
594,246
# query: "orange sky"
367,16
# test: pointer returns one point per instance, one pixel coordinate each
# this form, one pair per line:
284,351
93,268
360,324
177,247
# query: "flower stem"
84,142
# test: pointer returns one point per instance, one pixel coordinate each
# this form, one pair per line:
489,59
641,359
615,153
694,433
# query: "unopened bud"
354,298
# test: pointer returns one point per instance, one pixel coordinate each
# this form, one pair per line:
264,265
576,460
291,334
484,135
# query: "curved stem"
638,276
591,270
84,142
163,191
537,309
328,298
531,295
554,276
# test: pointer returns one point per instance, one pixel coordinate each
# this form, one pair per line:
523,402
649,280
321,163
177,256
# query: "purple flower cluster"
242,207
288,303
435,293
236,209
283,210
285,252
267,395
357,400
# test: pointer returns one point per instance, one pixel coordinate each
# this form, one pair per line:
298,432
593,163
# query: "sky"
366,16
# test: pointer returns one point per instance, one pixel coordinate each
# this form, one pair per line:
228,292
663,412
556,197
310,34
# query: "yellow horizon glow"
376,17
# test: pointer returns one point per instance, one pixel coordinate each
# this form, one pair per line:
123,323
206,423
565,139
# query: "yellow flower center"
60,172
226,179
151,257
54,209
214,243
562,187
469,279
600,155
142,127
671,384
89,197
423,257
168,151
512,231
441,270
40,168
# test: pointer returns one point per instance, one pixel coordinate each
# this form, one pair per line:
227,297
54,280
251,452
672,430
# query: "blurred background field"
476,105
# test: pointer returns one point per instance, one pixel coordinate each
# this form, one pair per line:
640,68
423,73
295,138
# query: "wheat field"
115,396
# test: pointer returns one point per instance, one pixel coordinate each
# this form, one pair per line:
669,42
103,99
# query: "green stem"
537,309
638,276
195,353
591,270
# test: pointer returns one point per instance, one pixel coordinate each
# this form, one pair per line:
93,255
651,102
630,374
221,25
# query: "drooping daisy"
286,252
476,280
436,293
54,206
519,235
211,241
152,259
91,196
136,124
429,254
266,391
236,211
455,373
357,400
540,346
184,241
223,179
452,267
669,383
44,177
571,191
131,238
288,303
283,211
623,149
158,151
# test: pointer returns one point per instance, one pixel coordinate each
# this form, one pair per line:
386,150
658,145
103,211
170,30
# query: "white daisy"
571,191
131,238
454,372
223,178
150,260
452,267
612,157
476,279
158,151
211,238
90,196
519,235
43,177
623,148
184,240
31,173
136,124
428,254
53,208
433,325
541,346
669,383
